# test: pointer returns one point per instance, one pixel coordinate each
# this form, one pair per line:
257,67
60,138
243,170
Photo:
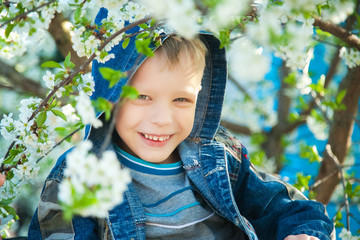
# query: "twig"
339,210
317,38
57,144
346,198
26,13
317,102
239,86
321,181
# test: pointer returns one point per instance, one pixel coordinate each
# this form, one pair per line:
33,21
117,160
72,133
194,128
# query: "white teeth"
160,139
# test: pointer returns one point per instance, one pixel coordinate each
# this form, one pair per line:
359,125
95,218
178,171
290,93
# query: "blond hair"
193,50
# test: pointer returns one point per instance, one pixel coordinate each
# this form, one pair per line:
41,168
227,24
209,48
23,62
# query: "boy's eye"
181,100
143,97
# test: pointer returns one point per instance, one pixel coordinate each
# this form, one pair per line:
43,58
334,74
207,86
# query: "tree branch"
18,81
26,13
351,39
236,128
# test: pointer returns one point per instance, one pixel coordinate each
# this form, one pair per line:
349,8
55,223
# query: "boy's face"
152,126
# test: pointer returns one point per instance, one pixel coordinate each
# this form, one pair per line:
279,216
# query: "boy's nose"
161,114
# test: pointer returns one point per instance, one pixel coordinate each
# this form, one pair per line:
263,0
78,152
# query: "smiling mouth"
156,138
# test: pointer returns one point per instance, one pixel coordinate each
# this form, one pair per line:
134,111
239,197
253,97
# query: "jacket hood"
210,99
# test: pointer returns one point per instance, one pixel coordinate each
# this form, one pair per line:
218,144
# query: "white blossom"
69,112
318,128
346,235
338,11
27,107
304,81
92,43
86,111
225,12
85,172
103,59
26,170
49,79
87,84
111,4
247,62
269,25
351,56
295,51
181,15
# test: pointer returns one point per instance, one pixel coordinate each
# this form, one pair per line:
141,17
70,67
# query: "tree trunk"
339,136
62,38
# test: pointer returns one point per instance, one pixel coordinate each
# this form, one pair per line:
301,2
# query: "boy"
191,180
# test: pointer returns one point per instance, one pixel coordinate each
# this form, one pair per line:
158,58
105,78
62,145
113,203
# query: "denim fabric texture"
216,164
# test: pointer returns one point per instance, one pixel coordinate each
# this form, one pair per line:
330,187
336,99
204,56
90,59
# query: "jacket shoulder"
232,144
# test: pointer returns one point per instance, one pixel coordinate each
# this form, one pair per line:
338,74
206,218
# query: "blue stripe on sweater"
175,212
167,197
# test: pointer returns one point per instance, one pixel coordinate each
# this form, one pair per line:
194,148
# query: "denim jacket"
216,164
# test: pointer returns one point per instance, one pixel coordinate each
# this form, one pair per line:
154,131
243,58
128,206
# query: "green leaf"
310,153
293,117
142,46
11,211
8,30
67,62
224,38
312,195
60,129
357,191
51,64
348,189
291,79
102,104
59,114
77,14
318,8
302,104
129,92
9,159
125,43
113,76
258,138
302,182
340,96
59,75
257,158
142,35
144,26
211,3
338,216
10,175
152,23
40,120
6,201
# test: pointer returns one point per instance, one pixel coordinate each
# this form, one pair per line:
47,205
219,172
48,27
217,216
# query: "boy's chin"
172,158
